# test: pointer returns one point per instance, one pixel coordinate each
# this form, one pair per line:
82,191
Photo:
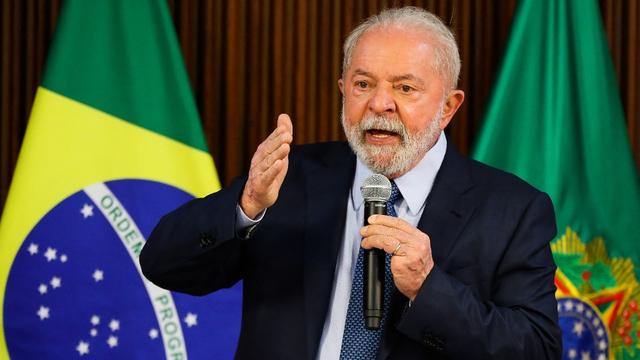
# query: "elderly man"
472,272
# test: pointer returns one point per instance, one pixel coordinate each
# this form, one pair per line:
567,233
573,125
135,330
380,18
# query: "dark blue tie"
357,341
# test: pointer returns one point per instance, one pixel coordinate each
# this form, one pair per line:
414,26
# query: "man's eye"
406,88
362,84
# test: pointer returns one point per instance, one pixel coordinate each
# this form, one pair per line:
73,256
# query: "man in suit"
470,262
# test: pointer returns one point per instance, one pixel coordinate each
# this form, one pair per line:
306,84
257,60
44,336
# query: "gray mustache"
383,123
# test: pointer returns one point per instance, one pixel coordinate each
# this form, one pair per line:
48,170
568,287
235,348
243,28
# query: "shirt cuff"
244,224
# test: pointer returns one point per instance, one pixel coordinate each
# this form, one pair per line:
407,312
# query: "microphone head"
376,188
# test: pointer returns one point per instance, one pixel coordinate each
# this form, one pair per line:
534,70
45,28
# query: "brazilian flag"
113,143
555,119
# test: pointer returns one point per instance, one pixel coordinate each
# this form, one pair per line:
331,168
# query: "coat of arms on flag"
598,299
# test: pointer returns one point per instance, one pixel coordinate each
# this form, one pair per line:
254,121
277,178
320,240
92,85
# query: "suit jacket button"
206,239
433,342
427,340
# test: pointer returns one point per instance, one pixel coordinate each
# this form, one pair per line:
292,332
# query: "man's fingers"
371,230
266,179
282,134
382,242
394,236
280,153
393,222
272,143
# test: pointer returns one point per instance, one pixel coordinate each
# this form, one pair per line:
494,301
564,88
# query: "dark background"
248,61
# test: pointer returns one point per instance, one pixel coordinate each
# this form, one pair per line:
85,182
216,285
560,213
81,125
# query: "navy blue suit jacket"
490,295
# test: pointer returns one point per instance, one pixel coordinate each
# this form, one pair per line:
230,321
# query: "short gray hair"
447,58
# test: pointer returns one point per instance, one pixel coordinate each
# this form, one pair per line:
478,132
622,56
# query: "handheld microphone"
376,191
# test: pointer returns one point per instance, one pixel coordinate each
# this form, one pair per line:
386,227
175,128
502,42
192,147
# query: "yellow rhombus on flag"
113,143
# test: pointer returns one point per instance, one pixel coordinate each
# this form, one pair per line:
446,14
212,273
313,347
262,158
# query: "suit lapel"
446,212
448,206
327,185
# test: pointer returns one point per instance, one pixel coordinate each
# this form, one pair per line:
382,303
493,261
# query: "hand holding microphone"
413,260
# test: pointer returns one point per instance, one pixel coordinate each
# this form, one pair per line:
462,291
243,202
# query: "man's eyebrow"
396,78
362,72
410,77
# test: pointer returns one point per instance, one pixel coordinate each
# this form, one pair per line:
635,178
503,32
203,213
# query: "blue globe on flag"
75,288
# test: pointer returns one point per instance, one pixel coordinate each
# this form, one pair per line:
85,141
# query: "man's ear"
341,86
454,100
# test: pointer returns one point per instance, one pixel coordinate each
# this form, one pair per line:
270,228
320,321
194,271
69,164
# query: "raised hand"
269,166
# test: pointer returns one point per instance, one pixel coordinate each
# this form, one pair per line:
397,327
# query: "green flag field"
555,119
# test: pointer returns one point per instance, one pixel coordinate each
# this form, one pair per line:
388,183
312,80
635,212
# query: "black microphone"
376,191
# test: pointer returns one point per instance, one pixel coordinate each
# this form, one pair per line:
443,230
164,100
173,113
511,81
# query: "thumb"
285,120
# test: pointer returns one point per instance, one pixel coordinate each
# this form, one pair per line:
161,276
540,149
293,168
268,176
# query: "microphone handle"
373,277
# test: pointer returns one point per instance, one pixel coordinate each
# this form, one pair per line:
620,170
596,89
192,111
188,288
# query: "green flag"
113,143
556,120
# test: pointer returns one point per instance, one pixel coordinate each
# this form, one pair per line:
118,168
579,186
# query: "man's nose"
382,101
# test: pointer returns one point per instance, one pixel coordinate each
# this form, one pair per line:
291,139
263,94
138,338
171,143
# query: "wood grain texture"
250,60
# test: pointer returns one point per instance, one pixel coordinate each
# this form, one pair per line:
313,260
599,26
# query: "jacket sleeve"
194,249
518,322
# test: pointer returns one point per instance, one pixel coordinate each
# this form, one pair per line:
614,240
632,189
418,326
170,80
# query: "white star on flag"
153,333
578,328
55,282
42,289
98,275
114,325
82,348
112,341
568,305
50,254
32,249
580,307
585,355
191,319
602,345
87,210
63,258
95,320
93,332
43,312
572,353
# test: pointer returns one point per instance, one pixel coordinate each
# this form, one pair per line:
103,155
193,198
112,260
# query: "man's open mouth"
376,133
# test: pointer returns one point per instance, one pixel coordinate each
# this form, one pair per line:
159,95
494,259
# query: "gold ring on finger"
395,251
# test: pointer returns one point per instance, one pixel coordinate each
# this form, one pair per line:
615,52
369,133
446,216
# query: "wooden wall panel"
249,60
25,33
622,24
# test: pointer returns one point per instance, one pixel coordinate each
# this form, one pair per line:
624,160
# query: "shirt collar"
415,185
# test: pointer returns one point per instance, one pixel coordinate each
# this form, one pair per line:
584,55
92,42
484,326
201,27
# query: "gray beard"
391,160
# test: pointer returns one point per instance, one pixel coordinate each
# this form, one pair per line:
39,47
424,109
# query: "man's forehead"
397,31
390,42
